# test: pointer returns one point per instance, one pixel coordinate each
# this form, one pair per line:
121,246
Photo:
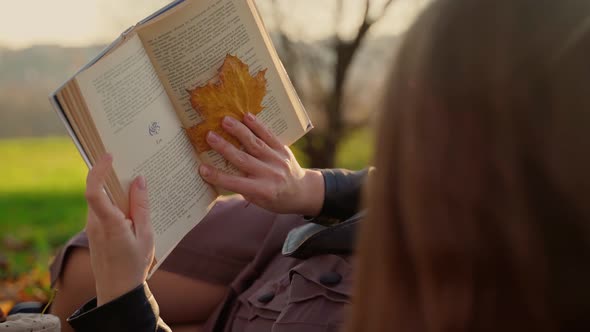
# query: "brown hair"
479,215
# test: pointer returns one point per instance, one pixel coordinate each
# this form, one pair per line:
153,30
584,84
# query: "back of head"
480,216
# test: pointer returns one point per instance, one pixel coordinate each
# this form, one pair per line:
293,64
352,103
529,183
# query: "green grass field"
42,203
41,199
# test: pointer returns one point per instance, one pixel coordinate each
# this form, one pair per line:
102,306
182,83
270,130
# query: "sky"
69,22
87,22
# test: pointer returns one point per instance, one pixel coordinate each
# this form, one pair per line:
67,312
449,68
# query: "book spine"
60,113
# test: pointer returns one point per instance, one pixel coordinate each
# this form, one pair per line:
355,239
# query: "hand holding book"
271,176
121,247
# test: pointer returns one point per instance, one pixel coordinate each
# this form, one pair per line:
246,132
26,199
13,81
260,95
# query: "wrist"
113,290
312,193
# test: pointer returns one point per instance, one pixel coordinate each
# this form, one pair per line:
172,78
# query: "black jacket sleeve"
136,310
342,198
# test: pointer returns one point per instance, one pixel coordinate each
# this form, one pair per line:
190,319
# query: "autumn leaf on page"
235,93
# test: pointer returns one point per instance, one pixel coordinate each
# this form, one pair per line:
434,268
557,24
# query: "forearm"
311,194
334,193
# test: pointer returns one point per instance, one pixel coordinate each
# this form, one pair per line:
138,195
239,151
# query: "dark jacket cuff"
136,310
342,196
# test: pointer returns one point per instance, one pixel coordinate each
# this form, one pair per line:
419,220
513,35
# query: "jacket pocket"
312,297
317,297
260,308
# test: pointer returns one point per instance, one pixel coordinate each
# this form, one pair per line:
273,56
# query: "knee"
185,300
75,284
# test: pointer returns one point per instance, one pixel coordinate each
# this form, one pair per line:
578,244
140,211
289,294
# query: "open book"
134,101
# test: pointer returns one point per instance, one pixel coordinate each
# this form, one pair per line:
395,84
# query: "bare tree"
304,67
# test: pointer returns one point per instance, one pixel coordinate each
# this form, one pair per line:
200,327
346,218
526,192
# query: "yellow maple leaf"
234,94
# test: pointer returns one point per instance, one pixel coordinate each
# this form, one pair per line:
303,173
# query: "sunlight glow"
86,22
69,22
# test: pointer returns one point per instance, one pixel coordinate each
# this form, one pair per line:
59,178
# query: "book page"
138,126
189,45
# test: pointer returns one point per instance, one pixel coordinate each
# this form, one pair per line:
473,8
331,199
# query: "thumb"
139,208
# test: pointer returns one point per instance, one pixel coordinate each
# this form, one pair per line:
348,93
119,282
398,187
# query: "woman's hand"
272,176
121,248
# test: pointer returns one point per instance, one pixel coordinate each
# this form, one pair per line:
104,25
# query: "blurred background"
337,53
